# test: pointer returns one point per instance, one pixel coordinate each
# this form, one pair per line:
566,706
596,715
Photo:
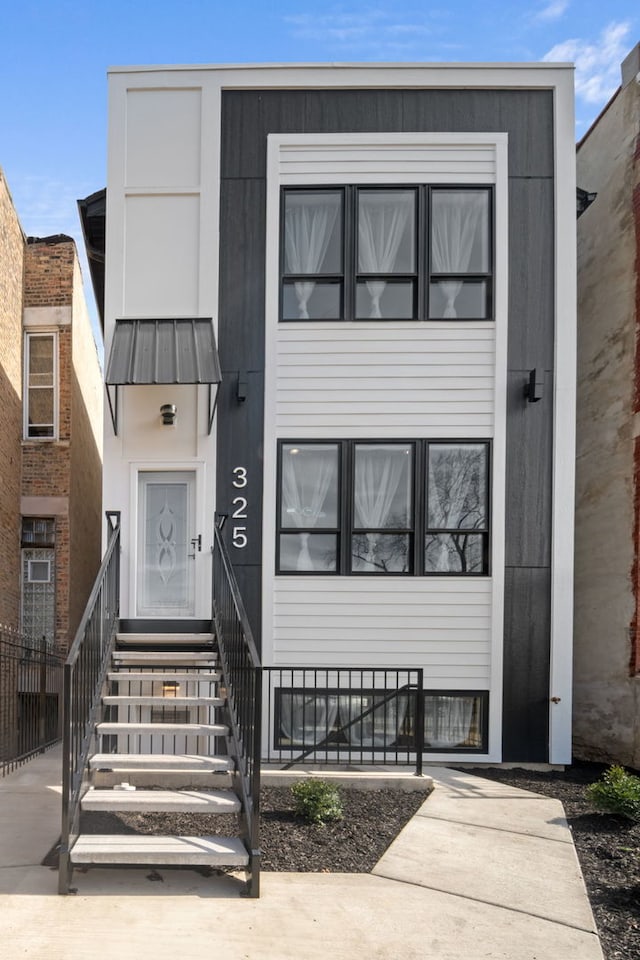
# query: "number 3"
240,474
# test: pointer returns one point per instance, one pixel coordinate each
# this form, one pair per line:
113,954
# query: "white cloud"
373,29
597,63
552,10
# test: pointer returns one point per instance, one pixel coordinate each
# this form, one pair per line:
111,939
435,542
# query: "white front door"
166,556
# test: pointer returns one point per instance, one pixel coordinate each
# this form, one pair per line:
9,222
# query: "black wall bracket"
534,386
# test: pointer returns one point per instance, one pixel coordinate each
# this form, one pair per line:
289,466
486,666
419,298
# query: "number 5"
239,537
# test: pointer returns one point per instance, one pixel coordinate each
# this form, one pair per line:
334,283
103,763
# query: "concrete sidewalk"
482,871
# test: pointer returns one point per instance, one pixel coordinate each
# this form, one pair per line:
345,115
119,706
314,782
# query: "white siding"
364,379
431,379
444,626
387,158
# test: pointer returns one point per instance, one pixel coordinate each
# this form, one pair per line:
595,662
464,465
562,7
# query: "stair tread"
179,657
135,848
159,761
164,639
195,729
151,701
161,801
146,675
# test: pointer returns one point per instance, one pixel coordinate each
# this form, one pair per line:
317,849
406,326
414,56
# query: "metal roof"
163,351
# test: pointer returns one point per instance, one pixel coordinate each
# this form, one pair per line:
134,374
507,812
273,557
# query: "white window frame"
53,334
31,578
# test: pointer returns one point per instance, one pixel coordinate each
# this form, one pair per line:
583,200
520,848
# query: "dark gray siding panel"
531,274
242,253
528,493
527,117
525,734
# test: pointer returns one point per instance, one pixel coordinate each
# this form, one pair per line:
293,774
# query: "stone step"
159,761
161,851
164,639
107,728
144,701
142,676
179,658
161,801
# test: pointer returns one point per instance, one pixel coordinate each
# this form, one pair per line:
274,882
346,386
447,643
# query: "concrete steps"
176,779
160,801
161,851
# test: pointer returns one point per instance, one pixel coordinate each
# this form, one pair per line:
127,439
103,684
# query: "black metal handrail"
242,678
84,674
30,697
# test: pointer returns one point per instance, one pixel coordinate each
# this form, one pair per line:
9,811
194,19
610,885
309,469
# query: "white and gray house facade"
381,259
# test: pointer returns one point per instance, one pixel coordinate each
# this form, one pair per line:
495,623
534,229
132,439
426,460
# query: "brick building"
50,443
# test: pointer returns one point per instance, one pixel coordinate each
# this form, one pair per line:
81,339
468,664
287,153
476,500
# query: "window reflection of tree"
456,508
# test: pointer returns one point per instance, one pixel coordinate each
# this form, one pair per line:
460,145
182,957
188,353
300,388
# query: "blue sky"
54,56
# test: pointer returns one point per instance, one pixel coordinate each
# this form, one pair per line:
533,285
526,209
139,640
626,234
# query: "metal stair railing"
84,675
242,678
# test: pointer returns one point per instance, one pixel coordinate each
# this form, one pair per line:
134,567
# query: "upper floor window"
40,399
387,253
361,507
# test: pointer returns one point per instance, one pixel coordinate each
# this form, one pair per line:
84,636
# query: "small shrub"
617,792
317,800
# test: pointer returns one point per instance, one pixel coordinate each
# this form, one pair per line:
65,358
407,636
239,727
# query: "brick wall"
48,273
11,273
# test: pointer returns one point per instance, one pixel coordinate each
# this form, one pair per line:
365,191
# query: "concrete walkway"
482,871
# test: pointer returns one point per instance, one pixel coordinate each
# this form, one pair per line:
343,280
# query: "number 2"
238,513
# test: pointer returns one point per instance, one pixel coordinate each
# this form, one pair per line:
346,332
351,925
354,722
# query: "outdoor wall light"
168,412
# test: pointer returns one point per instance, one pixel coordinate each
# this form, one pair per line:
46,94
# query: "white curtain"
382,222
453,232
455,494
380,728
447,721
305,485
309,225
377,478
306,719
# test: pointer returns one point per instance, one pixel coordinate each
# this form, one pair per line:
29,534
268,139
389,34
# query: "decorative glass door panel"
166,558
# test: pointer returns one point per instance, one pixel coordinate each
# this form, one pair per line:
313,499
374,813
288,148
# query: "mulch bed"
608,846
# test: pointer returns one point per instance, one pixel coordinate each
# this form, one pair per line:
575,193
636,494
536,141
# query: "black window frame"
335,742
346,509
423,276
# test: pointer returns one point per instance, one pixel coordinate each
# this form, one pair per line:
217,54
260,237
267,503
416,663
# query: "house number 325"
239,512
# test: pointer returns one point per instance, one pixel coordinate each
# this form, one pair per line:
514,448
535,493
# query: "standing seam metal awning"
181,350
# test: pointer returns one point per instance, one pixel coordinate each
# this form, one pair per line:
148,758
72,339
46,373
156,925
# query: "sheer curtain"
307,719
455,222
382,222
447,721
309,225
305,485
380,728
377,477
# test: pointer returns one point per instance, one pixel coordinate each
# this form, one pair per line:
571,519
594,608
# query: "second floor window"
387,253
419,507
40,386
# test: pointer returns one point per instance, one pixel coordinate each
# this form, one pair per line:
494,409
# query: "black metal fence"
84,674
336,715
30,698
242,678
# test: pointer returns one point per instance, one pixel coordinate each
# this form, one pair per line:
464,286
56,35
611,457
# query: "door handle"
196,542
